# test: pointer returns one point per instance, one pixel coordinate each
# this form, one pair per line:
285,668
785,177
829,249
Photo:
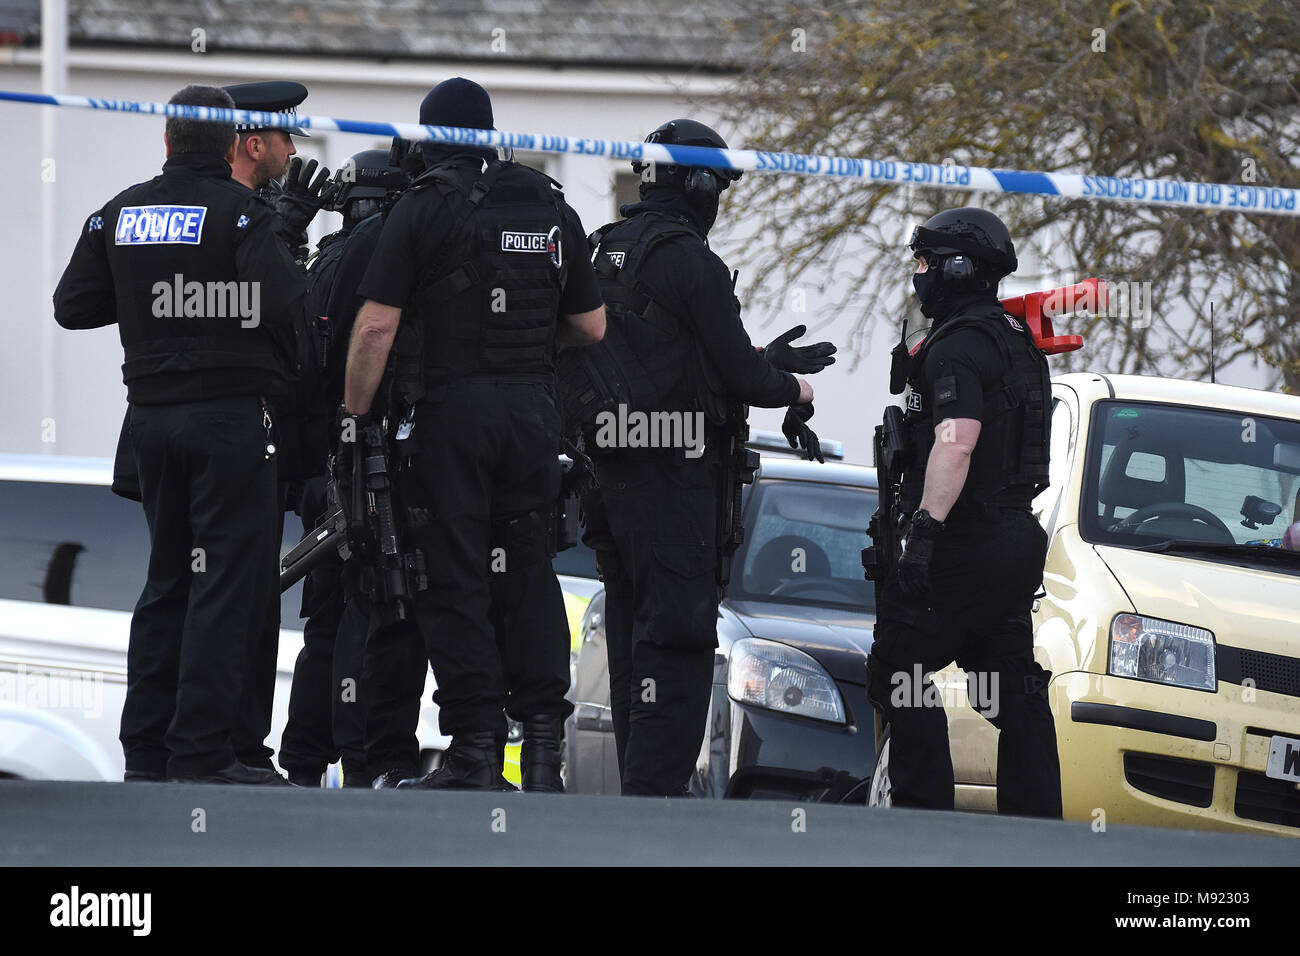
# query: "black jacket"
202,290
693,283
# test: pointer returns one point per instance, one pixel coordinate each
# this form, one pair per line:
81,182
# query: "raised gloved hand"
914,565
304,195
800,359
799,435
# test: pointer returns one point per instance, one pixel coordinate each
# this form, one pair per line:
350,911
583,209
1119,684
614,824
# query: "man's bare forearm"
945,476
372,339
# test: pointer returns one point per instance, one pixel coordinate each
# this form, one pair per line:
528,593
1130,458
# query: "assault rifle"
891,458
362,525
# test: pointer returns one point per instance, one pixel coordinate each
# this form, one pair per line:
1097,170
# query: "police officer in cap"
977,426
160,260
261,160
267,162
487,258
326,704
266,155
654,519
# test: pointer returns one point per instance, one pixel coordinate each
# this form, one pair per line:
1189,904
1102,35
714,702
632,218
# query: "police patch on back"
142,225
543,242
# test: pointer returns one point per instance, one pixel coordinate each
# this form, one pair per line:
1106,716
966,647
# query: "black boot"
473,762
540,760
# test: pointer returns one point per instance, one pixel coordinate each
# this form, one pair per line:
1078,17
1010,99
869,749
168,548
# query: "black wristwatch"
923,521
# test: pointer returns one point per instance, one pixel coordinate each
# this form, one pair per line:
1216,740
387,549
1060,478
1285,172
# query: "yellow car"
1170,617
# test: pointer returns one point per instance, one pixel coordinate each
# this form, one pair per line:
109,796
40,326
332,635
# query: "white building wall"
99,154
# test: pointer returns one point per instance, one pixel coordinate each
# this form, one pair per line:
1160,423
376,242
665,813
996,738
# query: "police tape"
1230,197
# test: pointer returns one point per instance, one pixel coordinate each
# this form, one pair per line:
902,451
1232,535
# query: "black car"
789,717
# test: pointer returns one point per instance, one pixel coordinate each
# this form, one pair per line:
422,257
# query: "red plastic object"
1039,308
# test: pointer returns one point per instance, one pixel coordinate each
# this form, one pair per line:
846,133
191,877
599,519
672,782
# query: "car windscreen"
803,545
1191,476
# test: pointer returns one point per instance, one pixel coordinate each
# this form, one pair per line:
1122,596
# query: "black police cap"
271,96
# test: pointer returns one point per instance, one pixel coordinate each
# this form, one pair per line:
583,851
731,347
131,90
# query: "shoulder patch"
1014,323
95,224
142,225
945,390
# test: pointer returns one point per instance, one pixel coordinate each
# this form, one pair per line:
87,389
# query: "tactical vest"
306,414
1017,418
489,305
642,360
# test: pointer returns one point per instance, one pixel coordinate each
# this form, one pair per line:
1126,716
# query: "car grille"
1271,672
1267,800
1183,781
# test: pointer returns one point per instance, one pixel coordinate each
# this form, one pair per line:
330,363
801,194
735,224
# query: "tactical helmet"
370,174
956,236
693,179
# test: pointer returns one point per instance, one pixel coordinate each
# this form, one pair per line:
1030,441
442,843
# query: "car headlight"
1150,649
780,678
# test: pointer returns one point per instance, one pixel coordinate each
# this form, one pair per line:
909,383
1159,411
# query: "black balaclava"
940,299
667,193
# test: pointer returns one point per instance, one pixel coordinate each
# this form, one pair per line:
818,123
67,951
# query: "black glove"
581,476
914,565
802,359
799,435
303,197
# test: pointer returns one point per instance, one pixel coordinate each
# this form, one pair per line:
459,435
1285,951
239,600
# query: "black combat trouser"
479,497
209,496
985,572
652,522
326,702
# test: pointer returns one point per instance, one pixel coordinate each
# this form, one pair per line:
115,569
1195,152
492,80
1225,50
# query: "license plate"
1284,759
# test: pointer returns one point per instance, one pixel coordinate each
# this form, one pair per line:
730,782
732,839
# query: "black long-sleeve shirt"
694,284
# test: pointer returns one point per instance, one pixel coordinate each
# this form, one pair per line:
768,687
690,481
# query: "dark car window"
803,545
578,561
83,545
1165,472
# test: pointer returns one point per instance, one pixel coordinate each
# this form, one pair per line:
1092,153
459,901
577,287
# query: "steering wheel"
798,585
1170,509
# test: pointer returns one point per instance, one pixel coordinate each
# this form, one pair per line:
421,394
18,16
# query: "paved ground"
109,824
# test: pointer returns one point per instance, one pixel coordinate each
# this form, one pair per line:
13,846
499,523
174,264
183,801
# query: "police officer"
267,160
326,703
189,267
261,159
654,518
977,424
266,155
489,261
395,662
